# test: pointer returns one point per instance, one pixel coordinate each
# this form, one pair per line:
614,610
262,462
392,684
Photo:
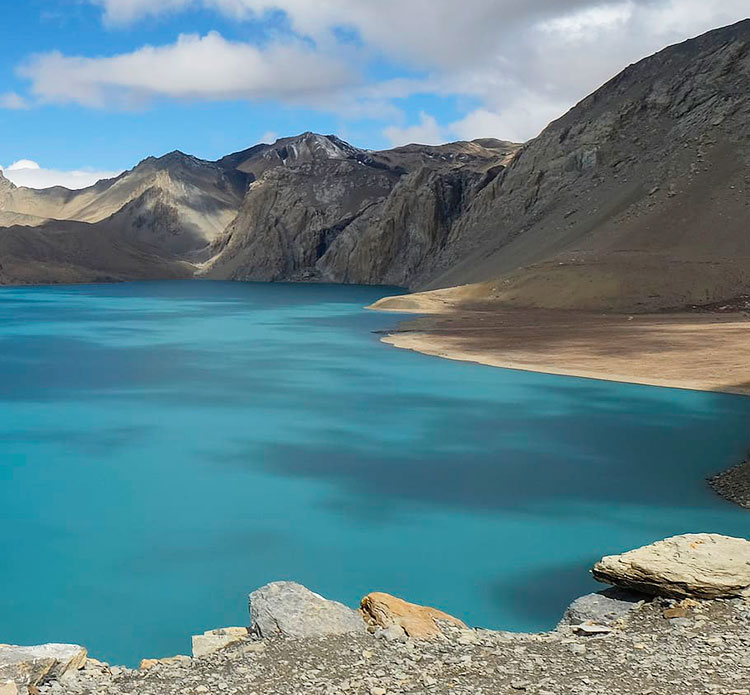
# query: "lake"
167,447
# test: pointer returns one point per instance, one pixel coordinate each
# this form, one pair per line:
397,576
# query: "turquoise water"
167,447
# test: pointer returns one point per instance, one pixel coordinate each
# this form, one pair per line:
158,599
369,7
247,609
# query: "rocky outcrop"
27,666
386,612
705,566
292,215
734,484
287,609
398,241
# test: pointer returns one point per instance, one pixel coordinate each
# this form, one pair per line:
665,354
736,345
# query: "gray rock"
392,633
602,608
288,609
32,665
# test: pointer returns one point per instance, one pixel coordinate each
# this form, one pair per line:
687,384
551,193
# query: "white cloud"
23,165
269,137
26,172
482,123
426,132
521,62
195,67
13,101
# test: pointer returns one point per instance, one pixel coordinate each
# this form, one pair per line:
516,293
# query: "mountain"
323,209
636,199
267,213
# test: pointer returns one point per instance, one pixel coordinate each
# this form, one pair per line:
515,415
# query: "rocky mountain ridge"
635,200
266,213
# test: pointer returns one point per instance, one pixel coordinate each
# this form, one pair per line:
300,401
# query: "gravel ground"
662,648
734,484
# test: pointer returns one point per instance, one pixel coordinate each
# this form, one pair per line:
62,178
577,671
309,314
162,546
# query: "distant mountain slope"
637,199
72,252
176,202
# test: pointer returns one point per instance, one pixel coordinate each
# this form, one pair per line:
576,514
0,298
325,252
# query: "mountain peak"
171,160
310,146
305,148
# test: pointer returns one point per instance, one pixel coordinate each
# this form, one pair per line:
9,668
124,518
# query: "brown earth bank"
701,350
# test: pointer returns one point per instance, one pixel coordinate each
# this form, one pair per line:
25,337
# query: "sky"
90,87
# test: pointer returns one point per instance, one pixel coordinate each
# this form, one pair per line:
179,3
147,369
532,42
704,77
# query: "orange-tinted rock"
419,622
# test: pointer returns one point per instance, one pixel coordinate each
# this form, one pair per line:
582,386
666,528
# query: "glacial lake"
165,448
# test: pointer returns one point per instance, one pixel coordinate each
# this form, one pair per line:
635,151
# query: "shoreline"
297,641
697,351
419,341
628,349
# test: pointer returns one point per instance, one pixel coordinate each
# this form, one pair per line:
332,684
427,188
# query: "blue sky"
97,85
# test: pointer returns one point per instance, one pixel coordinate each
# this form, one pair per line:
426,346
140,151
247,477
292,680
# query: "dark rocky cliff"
637,198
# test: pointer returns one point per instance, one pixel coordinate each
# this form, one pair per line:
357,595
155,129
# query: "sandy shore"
700,351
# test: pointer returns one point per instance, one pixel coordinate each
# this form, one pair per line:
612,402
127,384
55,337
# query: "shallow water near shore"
167,447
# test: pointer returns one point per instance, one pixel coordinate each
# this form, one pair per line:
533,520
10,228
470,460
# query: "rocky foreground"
617,642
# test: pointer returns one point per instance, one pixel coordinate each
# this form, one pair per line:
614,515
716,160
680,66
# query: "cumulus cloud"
26,172
13,101
521,62
426,132
195,67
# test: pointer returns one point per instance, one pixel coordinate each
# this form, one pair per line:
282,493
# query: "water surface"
167,447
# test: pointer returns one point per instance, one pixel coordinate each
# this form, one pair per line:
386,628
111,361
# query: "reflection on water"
167,447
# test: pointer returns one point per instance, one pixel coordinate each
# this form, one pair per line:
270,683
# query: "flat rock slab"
419,622
705,566
288,609
32,665
214,640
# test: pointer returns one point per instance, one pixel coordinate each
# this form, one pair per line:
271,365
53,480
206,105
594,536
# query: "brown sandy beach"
701,351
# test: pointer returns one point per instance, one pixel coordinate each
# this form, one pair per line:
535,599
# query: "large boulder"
603,608
705,566
419,622
33,665
287,609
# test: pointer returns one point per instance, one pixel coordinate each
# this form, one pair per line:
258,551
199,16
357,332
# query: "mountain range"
637,199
